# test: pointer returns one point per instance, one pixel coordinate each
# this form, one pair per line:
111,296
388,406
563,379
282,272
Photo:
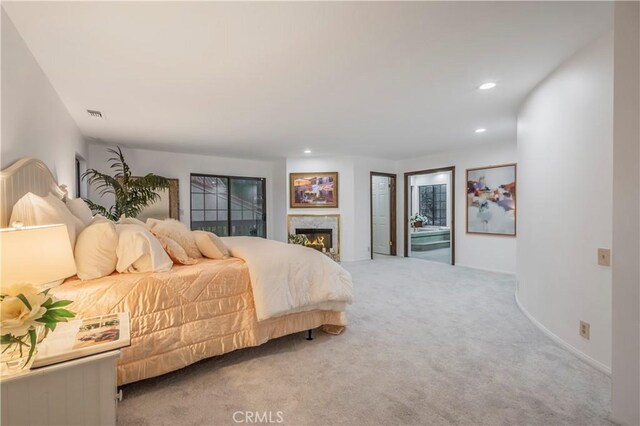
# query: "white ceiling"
262,79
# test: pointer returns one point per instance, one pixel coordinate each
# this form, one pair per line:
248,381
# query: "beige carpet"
428,343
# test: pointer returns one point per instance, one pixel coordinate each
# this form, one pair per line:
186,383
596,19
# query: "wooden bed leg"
309,335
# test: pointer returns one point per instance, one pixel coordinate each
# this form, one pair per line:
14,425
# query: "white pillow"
210,245
64,210
95,250
151,222
33,210
99,218
139,251
175,251
131,221
178,232
79,208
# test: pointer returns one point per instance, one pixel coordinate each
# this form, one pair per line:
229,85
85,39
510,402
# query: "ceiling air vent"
94,114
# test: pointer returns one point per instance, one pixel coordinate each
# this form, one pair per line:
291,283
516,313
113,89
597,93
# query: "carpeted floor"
442,255
428,343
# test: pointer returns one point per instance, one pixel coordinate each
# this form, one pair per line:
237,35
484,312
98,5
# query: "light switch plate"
604,257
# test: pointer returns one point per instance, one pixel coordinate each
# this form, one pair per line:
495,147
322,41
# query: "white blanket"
288,278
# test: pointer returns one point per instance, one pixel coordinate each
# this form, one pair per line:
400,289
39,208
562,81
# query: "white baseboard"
617,421
586,358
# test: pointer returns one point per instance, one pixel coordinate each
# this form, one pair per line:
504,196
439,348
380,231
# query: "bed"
189,313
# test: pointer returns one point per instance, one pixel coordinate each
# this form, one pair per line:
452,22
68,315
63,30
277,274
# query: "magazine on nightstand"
83,337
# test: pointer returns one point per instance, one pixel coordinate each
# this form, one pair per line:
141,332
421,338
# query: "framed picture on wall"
313,190
491,200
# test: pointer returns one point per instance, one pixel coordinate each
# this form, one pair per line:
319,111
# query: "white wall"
180,166
488,252
35,122
565,142
625,372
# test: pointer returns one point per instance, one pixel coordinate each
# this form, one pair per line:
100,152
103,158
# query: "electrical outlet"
604,257
584,329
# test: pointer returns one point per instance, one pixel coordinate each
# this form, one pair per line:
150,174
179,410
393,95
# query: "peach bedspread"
185,315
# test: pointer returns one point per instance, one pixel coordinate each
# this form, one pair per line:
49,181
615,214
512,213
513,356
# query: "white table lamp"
40,255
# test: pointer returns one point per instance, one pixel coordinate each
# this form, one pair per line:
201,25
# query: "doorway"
429,212
383,213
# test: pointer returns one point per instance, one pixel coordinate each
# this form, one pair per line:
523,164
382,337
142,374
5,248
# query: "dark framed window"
432,201
229,205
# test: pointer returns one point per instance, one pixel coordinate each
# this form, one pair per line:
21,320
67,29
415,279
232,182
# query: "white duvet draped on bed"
287,278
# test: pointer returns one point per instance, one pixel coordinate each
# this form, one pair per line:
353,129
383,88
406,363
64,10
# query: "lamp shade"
39,255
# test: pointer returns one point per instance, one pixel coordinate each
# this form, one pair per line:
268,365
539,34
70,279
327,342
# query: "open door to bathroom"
429,212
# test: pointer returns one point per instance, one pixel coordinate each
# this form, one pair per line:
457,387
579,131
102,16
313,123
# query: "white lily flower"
16,318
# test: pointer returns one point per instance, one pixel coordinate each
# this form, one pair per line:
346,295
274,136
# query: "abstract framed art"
313,190
491,200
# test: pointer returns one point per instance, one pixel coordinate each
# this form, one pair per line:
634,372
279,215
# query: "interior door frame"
393,201
407,175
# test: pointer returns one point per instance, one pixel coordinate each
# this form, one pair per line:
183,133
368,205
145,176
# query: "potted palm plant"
132,194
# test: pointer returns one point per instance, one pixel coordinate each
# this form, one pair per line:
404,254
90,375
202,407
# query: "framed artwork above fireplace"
322,232
309,190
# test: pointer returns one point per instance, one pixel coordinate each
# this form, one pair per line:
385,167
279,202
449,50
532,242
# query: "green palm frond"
150,181
119,165
104,184
98,209
132,194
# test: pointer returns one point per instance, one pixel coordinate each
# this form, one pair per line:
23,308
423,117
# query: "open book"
82,337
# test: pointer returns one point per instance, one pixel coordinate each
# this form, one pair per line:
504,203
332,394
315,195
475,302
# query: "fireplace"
319,238
322,231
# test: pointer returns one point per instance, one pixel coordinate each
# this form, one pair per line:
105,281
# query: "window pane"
433,203
215,185
218,228
228,205
211,201
247,206
197,201
197,185
213,197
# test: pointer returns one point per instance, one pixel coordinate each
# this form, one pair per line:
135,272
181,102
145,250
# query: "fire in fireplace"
319,239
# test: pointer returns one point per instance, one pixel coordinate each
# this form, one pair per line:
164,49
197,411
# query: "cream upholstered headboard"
25,175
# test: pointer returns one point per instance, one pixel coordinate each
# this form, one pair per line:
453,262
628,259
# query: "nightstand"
81,391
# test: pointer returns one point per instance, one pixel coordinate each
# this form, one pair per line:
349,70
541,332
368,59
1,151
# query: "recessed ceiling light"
307,151
481,130
487,86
